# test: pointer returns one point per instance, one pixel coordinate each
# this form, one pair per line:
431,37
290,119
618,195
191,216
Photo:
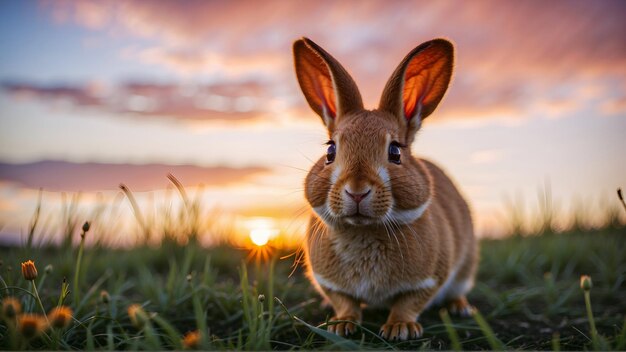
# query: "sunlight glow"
261,230
260,237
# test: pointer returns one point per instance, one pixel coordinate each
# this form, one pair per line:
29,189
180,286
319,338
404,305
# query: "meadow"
181,295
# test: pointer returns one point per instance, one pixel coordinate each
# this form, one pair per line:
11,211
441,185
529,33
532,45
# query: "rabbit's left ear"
418,84
327,86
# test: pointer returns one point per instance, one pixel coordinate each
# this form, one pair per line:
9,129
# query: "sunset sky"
97,93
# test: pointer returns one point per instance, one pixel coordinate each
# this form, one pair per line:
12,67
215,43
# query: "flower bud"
137,316
48,269
261,298
29,271
31,325
585,282
11,308
191,341
86,226
60,317
105,297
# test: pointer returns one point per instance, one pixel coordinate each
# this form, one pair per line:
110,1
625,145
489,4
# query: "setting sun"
261,230
260,237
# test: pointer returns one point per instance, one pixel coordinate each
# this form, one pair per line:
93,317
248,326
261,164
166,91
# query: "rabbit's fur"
388,233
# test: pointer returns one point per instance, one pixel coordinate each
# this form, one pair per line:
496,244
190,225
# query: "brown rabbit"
390,229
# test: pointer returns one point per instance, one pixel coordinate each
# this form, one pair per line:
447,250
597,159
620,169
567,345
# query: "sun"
260,237
262,232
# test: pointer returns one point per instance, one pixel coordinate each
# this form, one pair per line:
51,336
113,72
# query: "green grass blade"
488,332
338,341
172,333
454,337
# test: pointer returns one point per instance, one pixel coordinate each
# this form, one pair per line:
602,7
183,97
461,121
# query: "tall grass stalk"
70,209
621,340
547,212
592,323
621,198
65,291
151,337
137,212
38,299
199,314
454,337
79,260
170,331
35,220
191,216
253,312
556,342
516,221
493,341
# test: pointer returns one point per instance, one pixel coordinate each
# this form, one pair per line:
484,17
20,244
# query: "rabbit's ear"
327,86
418,84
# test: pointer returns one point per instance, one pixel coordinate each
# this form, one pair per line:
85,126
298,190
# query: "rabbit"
387,229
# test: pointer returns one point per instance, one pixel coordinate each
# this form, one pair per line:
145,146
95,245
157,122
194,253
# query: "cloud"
190,61
76,95
68,176
614,107
232,101
511,56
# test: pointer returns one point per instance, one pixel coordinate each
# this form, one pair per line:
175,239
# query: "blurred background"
94,94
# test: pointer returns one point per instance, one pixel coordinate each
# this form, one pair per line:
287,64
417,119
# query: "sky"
98,93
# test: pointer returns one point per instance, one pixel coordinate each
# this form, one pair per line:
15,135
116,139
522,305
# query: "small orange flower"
31,325
191,341
29,271
60,317
585,282
137,315
105,297
11,308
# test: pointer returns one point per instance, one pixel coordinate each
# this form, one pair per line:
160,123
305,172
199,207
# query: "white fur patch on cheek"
321,211
384,175
409,215
335,175
324,211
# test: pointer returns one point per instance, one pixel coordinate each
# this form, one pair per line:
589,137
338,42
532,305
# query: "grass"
185,296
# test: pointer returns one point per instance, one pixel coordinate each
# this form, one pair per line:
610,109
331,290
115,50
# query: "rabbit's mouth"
359,219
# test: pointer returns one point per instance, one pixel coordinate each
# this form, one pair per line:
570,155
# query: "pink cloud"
81,96
510,55
68,176
221,101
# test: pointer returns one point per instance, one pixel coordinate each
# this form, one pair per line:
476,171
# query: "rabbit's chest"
371,270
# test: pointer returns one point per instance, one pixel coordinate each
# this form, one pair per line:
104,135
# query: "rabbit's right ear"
327,86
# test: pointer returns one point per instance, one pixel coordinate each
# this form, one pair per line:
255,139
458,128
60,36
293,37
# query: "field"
528,293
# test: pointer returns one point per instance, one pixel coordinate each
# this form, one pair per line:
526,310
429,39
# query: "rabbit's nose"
358,197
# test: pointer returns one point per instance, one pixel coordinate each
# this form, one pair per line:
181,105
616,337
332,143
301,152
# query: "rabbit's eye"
330,152
394,153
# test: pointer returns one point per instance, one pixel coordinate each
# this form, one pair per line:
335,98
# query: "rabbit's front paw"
401,331
342,328
461,307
